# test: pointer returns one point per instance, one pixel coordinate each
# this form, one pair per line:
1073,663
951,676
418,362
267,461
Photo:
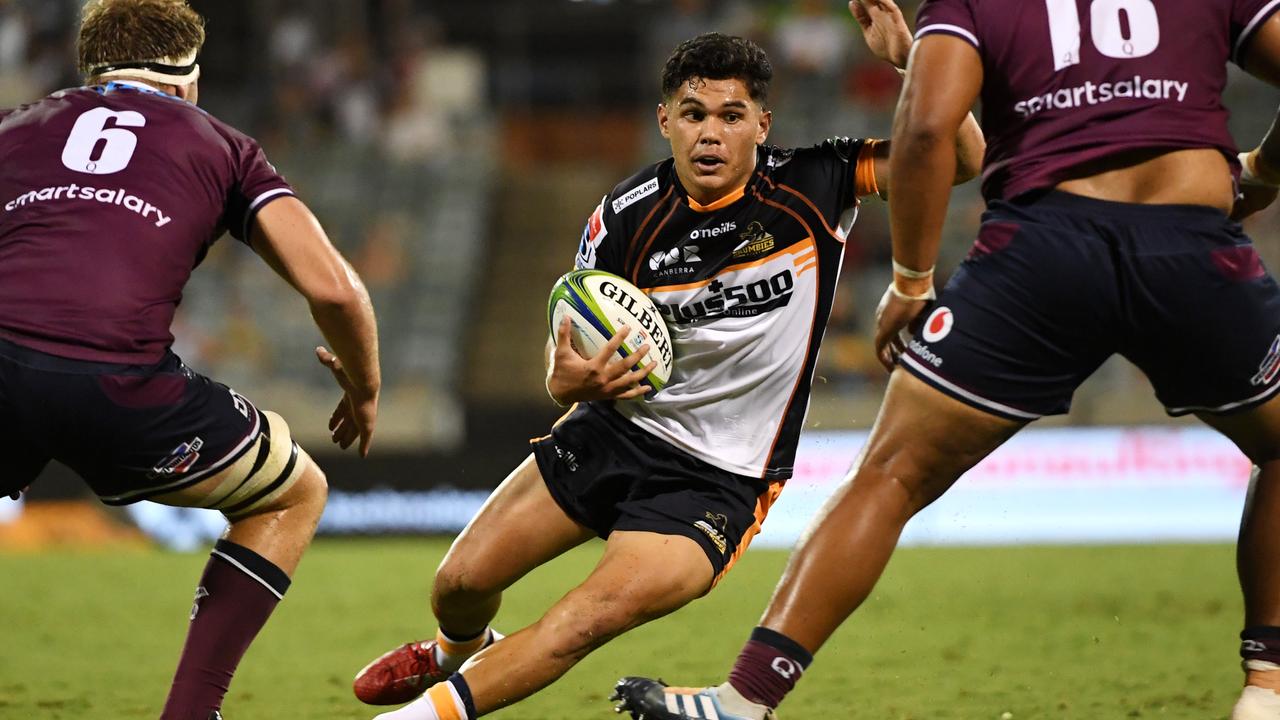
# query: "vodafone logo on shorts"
938,325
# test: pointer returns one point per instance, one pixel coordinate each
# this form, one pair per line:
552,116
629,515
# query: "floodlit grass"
1084,632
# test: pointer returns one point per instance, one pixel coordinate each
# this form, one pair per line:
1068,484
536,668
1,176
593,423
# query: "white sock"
1257,703
452,662
733,701
425,707
420,709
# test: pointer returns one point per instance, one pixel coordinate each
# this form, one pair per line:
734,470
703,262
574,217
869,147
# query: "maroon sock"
768,667
237,593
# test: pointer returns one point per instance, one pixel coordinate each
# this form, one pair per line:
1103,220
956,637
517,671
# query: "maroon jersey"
109,197
1070,81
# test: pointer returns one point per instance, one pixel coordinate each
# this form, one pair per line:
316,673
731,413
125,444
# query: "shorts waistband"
1171,214
38,360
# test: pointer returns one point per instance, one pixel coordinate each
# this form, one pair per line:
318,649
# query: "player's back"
110,196
1069,82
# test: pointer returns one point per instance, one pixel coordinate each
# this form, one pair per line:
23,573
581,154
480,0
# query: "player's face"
714,127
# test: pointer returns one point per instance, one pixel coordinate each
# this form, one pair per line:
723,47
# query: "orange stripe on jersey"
723,202
635,273
813,320
763,503
864,172
442,700
804,246
645,223
806,257
806,268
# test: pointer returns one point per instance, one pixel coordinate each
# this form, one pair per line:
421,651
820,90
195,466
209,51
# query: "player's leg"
1257,434
519,528
273,497
642,576
922,441
1024,320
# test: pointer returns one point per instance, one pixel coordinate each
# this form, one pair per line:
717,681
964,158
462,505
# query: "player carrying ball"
109,195
1109,178
739,244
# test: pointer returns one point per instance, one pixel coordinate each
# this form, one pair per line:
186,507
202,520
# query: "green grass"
1090,632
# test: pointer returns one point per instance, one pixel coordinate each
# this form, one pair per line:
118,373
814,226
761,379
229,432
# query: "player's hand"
572,378
884,29
357,411
1253,198
1258,185
894,319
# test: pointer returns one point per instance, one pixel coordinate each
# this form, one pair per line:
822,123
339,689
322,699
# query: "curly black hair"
715,56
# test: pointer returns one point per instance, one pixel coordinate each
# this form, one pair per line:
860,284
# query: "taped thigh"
271,466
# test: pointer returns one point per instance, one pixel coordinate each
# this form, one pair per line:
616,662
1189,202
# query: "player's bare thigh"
1256,431
925,439
519,528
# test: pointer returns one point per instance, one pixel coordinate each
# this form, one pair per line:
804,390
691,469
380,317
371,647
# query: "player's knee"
312,489
461,579
895,483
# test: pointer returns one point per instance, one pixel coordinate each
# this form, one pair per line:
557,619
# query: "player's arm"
1261,175
943,81
889,39
572,378
289,238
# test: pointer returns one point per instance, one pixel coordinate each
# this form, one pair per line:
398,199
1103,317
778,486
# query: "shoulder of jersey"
636,196
840,147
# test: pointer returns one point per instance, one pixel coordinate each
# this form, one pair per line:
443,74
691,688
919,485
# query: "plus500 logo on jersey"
746,300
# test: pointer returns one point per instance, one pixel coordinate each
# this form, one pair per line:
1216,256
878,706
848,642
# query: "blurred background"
454,151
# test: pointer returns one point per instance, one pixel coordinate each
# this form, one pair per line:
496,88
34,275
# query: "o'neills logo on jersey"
748,300
711,232
1090,93
647,321
100,195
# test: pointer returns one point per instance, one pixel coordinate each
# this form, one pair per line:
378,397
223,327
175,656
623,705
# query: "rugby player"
1109,178
111,194
739,244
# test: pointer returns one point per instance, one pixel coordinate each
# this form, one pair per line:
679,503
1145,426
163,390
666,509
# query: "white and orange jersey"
745,285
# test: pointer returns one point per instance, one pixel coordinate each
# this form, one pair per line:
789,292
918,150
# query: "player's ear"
662,120
766,121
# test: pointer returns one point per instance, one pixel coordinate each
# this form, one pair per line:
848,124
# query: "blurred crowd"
397,120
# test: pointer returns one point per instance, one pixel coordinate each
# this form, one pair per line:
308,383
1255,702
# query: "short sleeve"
1246,17
837,171
256,184
601,249
948,17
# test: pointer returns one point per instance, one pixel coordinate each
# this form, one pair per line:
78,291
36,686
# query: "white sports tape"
158,77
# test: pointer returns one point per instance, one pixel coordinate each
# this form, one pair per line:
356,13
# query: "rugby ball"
598,304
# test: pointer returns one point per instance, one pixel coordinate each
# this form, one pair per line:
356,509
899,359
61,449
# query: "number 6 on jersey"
113,146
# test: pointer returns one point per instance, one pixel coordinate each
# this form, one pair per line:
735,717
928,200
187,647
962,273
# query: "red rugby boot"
400,675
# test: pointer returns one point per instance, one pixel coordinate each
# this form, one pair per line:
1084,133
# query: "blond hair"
115,32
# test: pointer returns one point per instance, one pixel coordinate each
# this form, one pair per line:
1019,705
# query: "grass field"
1087,632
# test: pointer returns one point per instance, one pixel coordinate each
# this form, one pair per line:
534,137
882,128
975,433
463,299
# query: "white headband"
165,71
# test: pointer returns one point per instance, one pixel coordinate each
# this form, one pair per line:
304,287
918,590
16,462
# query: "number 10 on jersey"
1119,29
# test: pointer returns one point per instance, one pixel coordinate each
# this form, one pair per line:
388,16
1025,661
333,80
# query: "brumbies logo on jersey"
592,235
756,242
